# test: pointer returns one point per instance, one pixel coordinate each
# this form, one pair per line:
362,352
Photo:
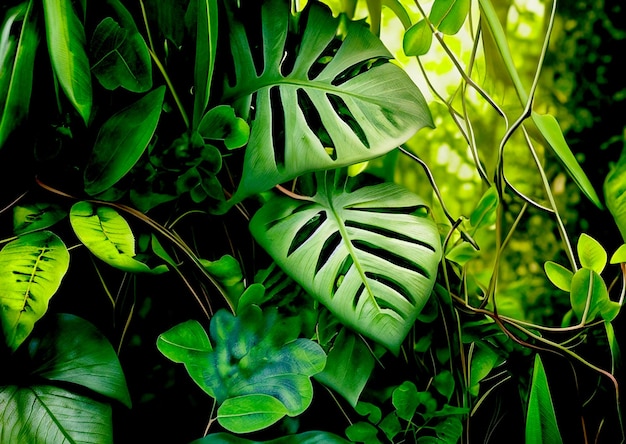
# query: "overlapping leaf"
368,255
31,269
319,102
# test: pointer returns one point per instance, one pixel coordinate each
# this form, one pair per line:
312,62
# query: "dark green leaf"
444,383
362,432
615,193
405,399
31,269
16,68
590,297
66,45
121,141
348,367
120,57
312,437
541,425
206,47
27,218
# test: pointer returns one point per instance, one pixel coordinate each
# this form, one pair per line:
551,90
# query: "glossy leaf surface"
315,109
66,45
541,426
31,269
367,255
16,68
108,236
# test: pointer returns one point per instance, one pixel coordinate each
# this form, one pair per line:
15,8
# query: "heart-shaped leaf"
108,236
121,141
31,269
255,355
17,61
319,101
120,57
370,255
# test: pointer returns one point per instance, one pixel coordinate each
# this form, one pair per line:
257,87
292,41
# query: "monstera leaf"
370,255
319,102
255,366
31,269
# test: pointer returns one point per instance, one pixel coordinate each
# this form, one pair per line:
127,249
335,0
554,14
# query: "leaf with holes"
31,269
315,101
370,255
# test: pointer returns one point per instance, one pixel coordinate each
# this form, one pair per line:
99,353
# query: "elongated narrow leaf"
120,57
367,255
16,69
66,45
108,236
614,190
316,109
541,425
31,269
38,216
49,414
121,141
206,47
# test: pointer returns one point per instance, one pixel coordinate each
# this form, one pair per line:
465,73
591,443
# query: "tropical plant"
216,211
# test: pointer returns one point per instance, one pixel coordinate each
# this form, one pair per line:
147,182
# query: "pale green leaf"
31,270
591,254
368,255
560,276
619,257
250,413
324,112
66,46
108,236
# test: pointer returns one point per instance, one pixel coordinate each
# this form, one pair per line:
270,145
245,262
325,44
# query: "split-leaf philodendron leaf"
31,269
319,102
368,255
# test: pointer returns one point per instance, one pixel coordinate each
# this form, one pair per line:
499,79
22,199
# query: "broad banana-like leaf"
17,59
31,270
108,236
370,255
44,408
66,45
319,102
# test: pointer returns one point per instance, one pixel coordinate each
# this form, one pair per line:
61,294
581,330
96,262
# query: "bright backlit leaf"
591,254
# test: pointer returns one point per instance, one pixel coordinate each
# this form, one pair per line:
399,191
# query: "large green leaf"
615,193
255,356
206,47
31,269
121,141
370,255
318,102
120,57
46,406
66,45
17,60
541,425
108,236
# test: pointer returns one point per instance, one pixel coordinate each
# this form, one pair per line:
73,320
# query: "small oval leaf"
560,276
591,254
250,413
417,39
121,141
